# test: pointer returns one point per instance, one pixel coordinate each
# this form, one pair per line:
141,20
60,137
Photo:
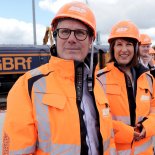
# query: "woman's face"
123,51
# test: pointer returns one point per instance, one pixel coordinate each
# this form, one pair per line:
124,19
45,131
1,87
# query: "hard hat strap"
90,78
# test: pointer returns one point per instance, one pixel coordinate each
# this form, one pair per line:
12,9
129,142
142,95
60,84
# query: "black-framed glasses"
79,34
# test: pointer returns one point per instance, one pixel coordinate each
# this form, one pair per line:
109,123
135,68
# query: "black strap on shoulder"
79,70
34,79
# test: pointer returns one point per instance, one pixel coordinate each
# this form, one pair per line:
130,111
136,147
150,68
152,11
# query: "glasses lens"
80,34
64,33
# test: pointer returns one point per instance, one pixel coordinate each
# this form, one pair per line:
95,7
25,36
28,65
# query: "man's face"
144,53
72,48
144,50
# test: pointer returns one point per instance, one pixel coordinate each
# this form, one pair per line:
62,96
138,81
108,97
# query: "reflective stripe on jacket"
42,115
112,81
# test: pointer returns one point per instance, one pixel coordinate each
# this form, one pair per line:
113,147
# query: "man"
145,45
152,54
56,114
145,57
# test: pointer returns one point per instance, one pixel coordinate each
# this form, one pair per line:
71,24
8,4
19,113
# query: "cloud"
52,5
109,12
19,32
140,12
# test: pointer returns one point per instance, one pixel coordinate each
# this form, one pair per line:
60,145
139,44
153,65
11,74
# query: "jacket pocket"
113,89
145,91
54,100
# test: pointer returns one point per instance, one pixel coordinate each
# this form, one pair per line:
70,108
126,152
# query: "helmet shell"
151,51
124,29
145,39
79,11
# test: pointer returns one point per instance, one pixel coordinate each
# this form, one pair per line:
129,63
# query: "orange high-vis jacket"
113,83
42,116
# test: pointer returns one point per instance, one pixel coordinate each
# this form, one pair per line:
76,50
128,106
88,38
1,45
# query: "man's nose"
72,37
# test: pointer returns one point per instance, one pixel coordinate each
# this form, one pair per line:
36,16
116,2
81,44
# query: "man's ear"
54,34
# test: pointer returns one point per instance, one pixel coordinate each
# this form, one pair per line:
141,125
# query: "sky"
16,23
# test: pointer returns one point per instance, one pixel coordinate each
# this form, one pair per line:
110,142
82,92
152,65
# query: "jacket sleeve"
19,132
149,123
123,133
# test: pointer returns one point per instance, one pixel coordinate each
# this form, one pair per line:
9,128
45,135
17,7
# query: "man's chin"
77,59
74,58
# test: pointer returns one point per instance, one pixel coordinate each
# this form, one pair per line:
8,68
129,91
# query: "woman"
130,90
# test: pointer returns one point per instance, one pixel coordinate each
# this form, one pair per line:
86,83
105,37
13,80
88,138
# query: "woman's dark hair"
134,61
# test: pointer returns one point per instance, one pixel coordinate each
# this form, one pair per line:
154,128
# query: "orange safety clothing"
42,118
113,82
